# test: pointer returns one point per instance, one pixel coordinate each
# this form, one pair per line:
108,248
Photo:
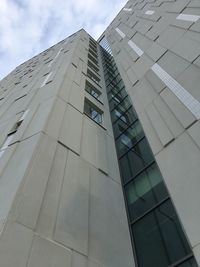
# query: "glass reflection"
159,238
135,160
145,191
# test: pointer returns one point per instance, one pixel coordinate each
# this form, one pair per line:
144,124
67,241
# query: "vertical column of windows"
90,109
155,228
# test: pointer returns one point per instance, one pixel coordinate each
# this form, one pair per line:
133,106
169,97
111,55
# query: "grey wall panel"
72,221
19,161
71,131
163,132
49,209
15,245
32,192
46,253
182,180
107,219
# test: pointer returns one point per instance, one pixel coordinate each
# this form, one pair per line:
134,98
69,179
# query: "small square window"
93,112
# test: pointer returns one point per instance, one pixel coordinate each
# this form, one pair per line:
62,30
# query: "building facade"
154,46
100,148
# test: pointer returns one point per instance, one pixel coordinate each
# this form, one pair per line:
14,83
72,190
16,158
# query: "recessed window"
93,42
93,48
20,97
94,54
159,238
10,137
93,59
92,90
93,67
93,77
93,112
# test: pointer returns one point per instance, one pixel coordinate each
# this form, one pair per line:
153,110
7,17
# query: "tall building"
100,147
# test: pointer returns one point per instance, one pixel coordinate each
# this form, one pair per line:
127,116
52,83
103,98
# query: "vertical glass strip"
157,235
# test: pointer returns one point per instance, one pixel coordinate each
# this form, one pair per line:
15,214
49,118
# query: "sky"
28,27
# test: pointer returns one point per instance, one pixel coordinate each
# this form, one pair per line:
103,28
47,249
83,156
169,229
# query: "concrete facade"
62,201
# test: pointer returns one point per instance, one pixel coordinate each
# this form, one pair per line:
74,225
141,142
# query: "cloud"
29,26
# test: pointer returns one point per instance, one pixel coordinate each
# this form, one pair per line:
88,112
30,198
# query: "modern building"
100,146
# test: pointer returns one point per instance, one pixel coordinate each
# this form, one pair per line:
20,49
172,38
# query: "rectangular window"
129,138
95,61
135,160
93,112
93,48
92,41
145,191
93,53
93,67
93,77
159,238
9,139
12,133
20,97
92,90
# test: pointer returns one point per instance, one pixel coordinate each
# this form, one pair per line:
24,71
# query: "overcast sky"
29,26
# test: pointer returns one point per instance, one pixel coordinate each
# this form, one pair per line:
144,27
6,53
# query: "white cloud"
29,26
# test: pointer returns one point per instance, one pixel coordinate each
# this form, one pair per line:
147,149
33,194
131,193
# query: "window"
93,48
93,112
93,77
95,61
93,53
9,138
135,160
159,237
20,97
145,191
129,138
92,66
92,90
92,41
12,132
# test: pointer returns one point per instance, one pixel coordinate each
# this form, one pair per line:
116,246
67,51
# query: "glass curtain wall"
157,236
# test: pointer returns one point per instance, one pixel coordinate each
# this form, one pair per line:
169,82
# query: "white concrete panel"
101,149
113,167
65,88
120,32
137,49
184,116
78,260
71,131
181,93
179,164
31,195
163,132
54,122
76,98
48,213
108,223
9,183
15,245
72,222
173,124
39,119
188,17
88,144
48,254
